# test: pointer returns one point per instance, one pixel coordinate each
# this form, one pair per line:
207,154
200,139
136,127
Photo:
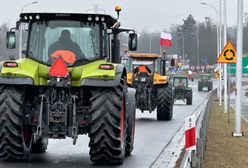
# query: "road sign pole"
220,85
228,86
225,65
237,132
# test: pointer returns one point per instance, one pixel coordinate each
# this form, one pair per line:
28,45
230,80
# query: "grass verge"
224,150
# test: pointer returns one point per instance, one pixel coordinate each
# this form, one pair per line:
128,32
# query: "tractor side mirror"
10,40
133,42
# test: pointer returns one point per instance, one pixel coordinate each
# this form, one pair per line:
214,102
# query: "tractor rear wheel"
165,102
210,86
189,98
130,111
107,128
15,137
199,86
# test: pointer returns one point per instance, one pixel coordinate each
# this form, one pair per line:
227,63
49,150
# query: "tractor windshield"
180,82
206,77
75,41
148,64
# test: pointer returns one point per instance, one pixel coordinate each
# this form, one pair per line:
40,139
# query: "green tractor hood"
31,72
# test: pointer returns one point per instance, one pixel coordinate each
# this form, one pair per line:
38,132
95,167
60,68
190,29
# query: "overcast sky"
150,15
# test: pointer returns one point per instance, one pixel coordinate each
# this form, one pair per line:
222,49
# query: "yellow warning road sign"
228,54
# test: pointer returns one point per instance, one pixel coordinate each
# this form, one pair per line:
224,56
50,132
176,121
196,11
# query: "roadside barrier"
194,158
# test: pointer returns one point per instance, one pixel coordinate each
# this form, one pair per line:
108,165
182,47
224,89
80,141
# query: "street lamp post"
31,3
198,47
237,131
20,29
218,44
183,47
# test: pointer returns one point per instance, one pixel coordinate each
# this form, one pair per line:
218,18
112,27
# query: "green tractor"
67,82
181,88
205,82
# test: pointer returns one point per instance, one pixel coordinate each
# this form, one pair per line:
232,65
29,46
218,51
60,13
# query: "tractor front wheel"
15,137
189,98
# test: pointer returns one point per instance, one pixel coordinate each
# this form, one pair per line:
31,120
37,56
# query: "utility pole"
183,46
150,43
237,132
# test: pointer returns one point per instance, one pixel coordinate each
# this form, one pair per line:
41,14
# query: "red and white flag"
165,39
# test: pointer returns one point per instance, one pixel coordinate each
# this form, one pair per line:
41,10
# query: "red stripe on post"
190,138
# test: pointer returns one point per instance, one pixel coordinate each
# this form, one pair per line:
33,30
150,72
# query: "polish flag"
165,39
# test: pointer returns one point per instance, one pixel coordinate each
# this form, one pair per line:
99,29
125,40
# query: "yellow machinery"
146,73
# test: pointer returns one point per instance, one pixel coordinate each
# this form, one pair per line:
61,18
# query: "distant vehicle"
181,89
205,82
190,75
146,74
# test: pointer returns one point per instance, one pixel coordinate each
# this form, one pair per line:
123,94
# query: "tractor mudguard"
120,71
130,101
16,80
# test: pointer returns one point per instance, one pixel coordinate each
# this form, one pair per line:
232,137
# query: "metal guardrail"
195,158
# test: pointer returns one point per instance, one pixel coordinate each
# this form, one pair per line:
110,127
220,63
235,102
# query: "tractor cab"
205,82
77,38
144,65
181,89
180,81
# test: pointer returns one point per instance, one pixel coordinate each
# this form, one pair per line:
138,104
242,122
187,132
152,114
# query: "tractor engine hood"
39,73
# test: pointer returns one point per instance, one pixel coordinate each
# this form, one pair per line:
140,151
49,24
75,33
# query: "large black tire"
15,138
40,146
165,102
189,98
210,86
199,86
130,111
107,130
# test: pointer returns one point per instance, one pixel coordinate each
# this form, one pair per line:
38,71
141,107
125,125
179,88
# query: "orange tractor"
147,74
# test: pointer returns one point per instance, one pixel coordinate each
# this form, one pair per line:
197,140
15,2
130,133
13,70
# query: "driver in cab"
142,69
65,48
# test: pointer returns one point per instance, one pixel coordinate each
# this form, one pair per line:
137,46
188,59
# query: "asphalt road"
151,137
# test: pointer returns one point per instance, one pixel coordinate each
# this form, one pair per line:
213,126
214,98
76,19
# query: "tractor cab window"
148,64
180,82
205,77
158,65
75,41
129,65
